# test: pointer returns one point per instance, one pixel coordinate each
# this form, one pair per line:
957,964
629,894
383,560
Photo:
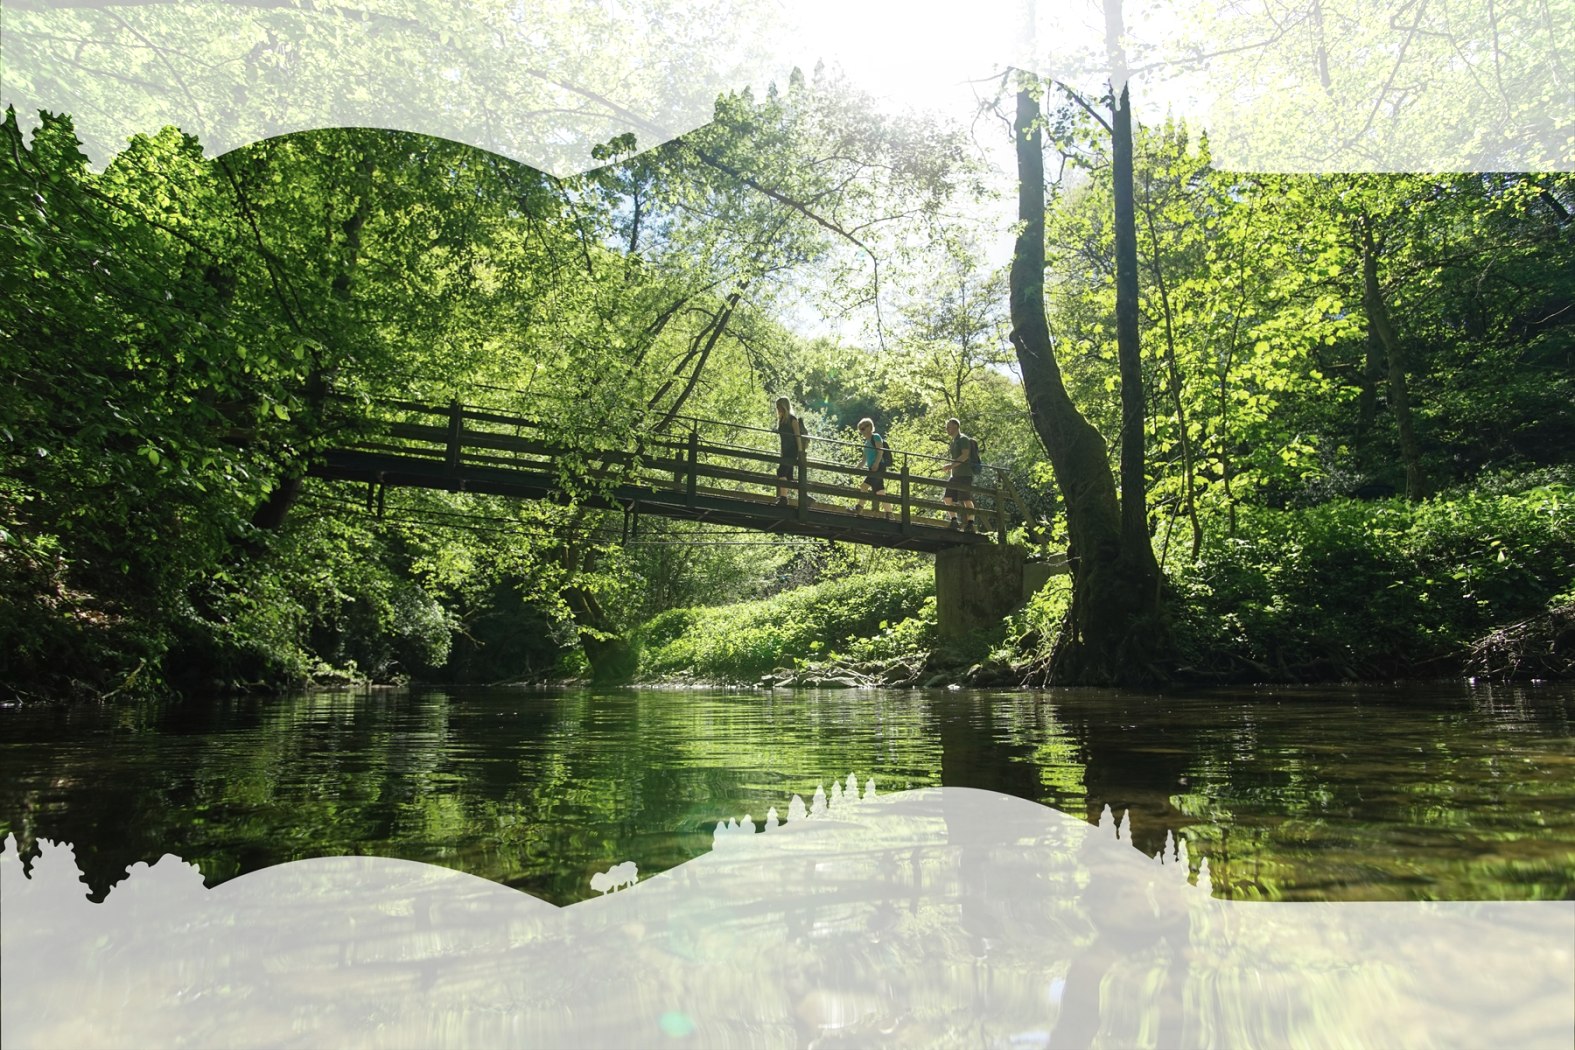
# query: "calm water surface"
1436,792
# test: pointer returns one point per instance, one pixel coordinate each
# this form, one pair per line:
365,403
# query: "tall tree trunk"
610,655
1173,376
1110,635
1399,395
1372,375
1225,364
1137,552
1134,487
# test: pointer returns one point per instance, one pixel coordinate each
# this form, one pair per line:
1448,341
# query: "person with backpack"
877,460
790,435
964,454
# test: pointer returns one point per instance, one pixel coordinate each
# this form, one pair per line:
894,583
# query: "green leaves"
1372,589
740,642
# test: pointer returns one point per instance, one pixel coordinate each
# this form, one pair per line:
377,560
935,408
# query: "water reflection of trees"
1331,794
1338,795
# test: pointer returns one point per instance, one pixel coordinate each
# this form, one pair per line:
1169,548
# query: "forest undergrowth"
1463,585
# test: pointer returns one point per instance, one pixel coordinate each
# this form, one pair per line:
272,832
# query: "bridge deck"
474,450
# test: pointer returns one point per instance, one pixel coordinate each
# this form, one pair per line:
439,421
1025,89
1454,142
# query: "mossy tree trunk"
1114,631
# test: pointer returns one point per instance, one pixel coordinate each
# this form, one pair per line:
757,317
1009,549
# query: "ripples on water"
1437,792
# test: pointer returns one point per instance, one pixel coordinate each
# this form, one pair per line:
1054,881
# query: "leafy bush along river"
889,614
1370,590
1344,590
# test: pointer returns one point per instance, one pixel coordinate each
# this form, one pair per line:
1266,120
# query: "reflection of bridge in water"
727,480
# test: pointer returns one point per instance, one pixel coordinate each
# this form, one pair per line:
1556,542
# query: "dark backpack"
973,455
882,453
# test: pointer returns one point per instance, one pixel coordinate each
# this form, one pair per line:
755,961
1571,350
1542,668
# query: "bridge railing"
738,462
997,504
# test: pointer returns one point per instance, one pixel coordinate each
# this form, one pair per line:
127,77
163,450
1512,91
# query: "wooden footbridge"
726,480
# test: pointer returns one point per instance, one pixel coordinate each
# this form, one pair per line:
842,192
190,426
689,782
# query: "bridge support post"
976,585
803,484
692,456
907,509
456,432
998,507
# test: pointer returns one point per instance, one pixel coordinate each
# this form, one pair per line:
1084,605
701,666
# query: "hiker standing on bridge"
877,458
964,461
790,433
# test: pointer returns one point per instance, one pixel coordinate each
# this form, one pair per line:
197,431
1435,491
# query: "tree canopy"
185,333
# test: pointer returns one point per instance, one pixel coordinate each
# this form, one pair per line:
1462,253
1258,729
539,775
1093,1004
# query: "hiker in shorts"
877,458
959,493
790,435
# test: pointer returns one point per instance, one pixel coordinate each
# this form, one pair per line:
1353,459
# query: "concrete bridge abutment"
977,585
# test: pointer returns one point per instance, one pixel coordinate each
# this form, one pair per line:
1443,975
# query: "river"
1441,791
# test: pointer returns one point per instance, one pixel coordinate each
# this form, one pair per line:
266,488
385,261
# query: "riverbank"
1539,648
1470,585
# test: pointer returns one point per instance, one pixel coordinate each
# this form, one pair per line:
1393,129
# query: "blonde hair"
783,403
867,422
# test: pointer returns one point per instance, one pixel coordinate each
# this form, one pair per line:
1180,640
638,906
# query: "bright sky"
914,54
935,57
924,54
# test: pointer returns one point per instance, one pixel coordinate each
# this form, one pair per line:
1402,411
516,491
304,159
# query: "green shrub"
916,634
740,642
666,627
1365,589
1040,618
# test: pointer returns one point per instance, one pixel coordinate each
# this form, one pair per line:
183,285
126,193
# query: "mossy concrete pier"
978,585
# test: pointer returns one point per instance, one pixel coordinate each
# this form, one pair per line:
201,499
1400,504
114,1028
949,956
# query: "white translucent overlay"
941,917
1303,85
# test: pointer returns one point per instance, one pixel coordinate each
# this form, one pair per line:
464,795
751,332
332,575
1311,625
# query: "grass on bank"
860,617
